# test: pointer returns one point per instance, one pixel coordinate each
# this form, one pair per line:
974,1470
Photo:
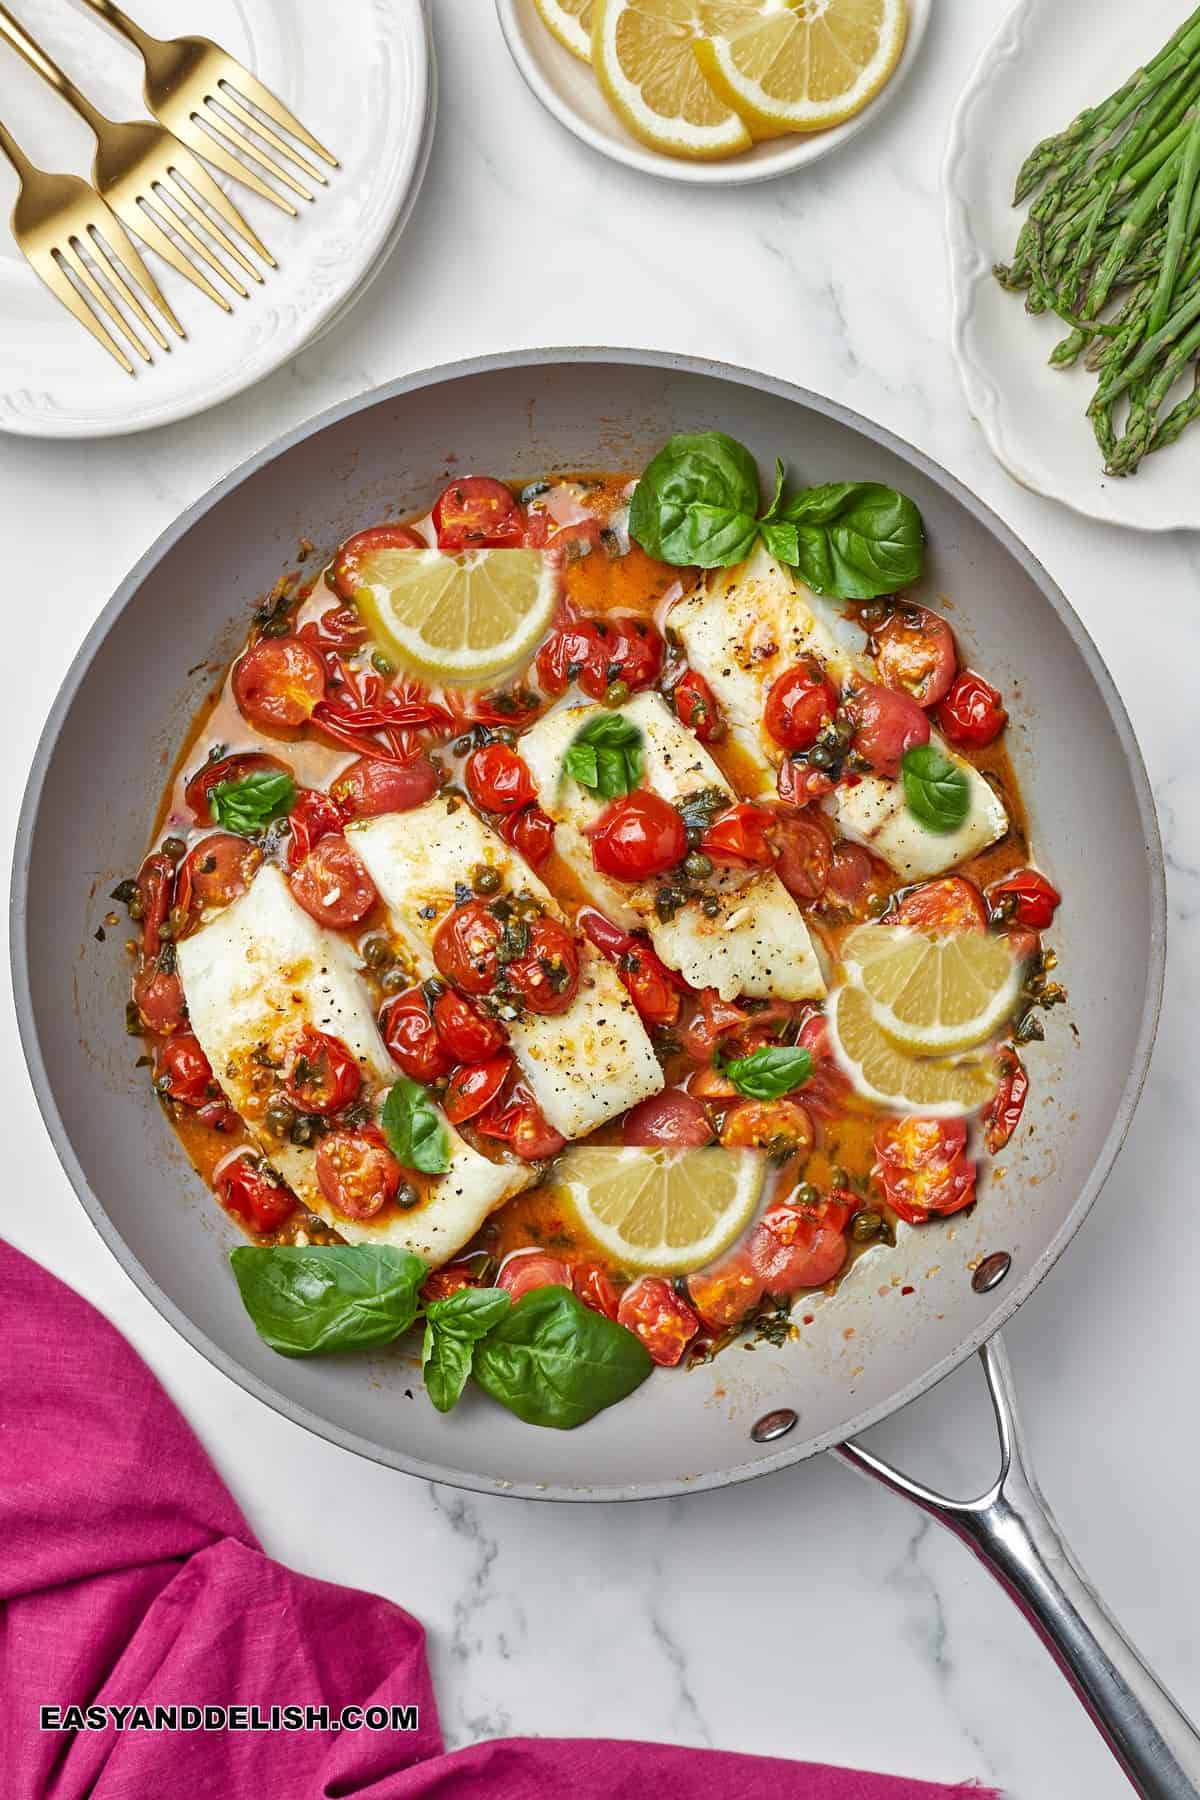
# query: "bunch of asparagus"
1112,246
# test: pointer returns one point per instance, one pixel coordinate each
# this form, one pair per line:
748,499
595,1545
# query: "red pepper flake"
808,1318
908,1290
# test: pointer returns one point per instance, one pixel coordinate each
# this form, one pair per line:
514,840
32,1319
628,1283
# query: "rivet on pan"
773,1425
991,1272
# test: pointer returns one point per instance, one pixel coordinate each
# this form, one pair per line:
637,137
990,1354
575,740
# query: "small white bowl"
567,88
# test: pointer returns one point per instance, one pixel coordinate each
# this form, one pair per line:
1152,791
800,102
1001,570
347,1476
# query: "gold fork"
200,92
140,170
57,217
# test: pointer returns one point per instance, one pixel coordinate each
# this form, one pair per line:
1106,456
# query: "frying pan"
896,1327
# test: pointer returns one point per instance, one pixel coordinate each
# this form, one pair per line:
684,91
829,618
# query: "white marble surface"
807,1615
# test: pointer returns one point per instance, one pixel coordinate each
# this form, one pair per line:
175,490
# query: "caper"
280,1115
174,847
821,756
694,835
461,745
710,906
377,953
877,905
616,693
136,909
485,880
407,1196
504,734
697,867
392,980
380,664
865,1227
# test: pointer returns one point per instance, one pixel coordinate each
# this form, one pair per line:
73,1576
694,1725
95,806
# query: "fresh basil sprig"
312,1299
936,791
453,1327
553,1361
415,1129
248,805
698,503
770,1072
605,755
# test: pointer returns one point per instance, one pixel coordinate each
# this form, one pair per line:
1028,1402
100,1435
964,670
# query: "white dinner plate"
1049,60
567,88
359,76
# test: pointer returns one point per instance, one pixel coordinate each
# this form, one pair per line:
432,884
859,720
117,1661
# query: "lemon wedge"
662,1211
642,54
571,23
460,618
884,1073
803,65
933,997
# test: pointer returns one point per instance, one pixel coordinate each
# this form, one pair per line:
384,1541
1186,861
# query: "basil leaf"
936,790
605,755
312,1299
773,510
246,806
453,1327
783,541
553,1361
768,1073
415,1129
855,539
697,502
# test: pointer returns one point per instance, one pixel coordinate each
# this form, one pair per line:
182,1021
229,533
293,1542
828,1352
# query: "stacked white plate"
362,78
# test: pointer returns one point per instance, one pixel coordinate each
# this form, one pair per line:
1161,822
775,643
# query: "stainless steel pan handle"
1012,1530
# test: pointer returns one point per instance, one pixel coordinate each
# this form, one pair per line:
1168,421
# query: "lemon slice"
571,23
931,996
461,618
806,65
642,55
662,1211
891,1077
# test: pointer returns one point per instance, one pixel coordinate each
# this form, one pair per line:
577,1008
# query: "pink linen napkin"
128,1577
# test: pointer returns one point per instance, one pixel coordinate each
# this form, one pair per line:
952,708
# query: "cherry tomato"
369,787
214,872
337,628
346,574
638,836
1025,898
575,651
853,873
155,885
466,1035
673,1117
654,989
653,1311
739,835
444,1282
546,978
725,1295
828,1088
696,707
465,948
412,1040
943,908
498,780
799,703
319,1073
1003,1112
333,886
804,856
798,782
972,713
709,1023
594,1285
531,833
478,512
520,1122
158,996
525,1270
356,1172
776,1125
312,818
634,652
915,651
475,1086
249,1188
790,1249
888,723
227,768
924,1167
279,682
183,1072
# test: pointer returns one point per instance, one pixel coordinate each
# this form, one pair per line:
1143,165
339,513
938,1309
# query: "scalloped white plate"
567,89
366,89
1049,59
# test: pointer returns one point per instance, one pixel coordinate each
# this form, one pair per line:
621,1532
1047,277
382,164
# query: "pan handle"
1012,1530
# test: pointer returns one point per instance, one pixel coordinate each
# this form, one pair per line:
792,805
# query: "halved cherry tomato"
791,1248
478,513
444,1282
798,782
799,704
775,1125
408,1031
828,1088
466,945
279,682
525,1270
916,652
332,884
346,575
853,874
337,628
804,856
1003,1112
313,817
531,833
673,1117
972,713
596,1288
711,1020
634,651
369,787
249,1188
637,837
653,1311
227,768
158,996
654,989
696,707
356,1172
888,723
739,835
944,907
214,872
924,1167
498,779
1025,898
466,1035
723,1296
547,977
182,1071
519,1122
155,885
575,651
475,1086
319,1073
